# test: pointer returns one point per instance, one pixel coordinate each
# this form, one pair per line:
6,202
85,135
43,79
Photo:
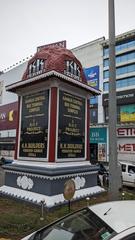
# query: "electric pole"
114,169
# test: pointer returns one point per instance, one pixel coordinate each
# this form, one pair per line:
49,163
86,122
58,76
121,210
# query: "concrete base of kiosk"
36,182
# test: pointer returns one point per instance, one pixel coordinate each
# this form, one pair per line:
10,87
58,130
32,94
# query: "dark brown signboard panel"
34,125
71,126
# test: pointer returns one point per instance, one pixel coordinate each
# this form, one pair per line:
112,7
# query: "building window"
105,52
122,58
93,100
106,63
106,114
106,74
120,46
126,82
121,70
93,115
106,86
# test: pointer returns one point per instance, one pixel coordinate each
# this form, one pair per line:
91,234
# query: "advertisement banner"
101,152
8,116
92,76
34,125
99,136
71,126
127,113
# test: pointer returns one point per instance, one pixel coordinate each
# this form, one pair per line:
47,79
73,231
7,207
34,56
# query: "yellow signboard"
127,113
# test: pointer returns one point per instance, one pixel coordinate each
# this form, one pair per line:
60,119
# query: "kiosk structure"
52,144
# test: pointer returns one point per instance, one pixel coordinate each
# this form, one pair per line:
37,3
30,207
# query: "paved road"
2,176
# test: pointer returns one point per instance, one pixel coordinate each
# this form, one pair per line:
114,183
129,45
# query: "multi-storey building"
9,111
95,55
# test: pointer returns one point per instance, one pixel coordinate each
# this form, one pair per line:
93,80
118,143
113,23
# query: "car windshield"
82,225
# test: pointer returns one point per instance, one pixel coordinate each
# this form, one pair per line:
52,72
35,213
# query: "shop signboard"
126,143
34,125
8,116
127,113
99,136
123,97
126,132
71,126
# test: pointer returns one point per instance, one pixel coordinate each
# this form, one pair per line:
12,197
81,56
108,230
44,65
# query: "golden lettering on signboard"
73,127
34,131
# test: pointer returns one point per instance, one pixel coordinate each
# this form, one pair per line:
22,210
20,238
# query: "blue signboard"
98,135
92,76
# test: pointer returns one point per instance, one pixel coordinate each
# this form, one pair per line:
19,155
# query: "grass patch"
18,219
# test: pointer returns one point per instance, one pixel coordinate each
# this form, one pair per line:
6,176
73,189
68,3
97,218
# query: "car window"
82,225
123,168
131,169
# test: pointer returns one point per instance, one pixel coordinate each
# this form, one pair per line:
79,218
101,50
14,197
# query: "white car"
128,173
111,220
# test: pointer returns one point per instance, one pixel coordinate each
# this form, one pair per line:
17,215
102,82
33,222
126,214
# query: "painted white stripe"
50,201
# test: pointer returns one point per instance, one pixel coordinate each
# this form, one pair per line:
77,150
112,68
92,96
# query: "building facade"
9,111
96,54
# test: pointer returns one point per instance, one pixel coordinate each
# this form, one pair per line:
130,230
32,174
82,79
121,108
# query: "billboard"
92,76
8,116
127,113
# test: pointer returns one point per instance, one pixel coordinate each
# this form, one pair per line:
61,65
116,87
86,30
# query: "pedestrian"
101,173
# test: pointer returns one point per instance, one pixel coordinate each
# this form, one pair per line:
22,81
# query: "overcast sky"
26,24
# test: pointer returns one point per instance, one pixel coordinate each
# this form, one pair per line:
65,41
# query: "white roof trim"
48,74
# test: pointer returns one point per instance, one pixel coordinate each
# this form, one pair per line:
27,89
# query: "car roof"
119,215
127,162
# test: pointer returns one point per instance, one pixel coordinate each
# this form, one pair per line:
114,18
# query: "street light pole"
114,171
